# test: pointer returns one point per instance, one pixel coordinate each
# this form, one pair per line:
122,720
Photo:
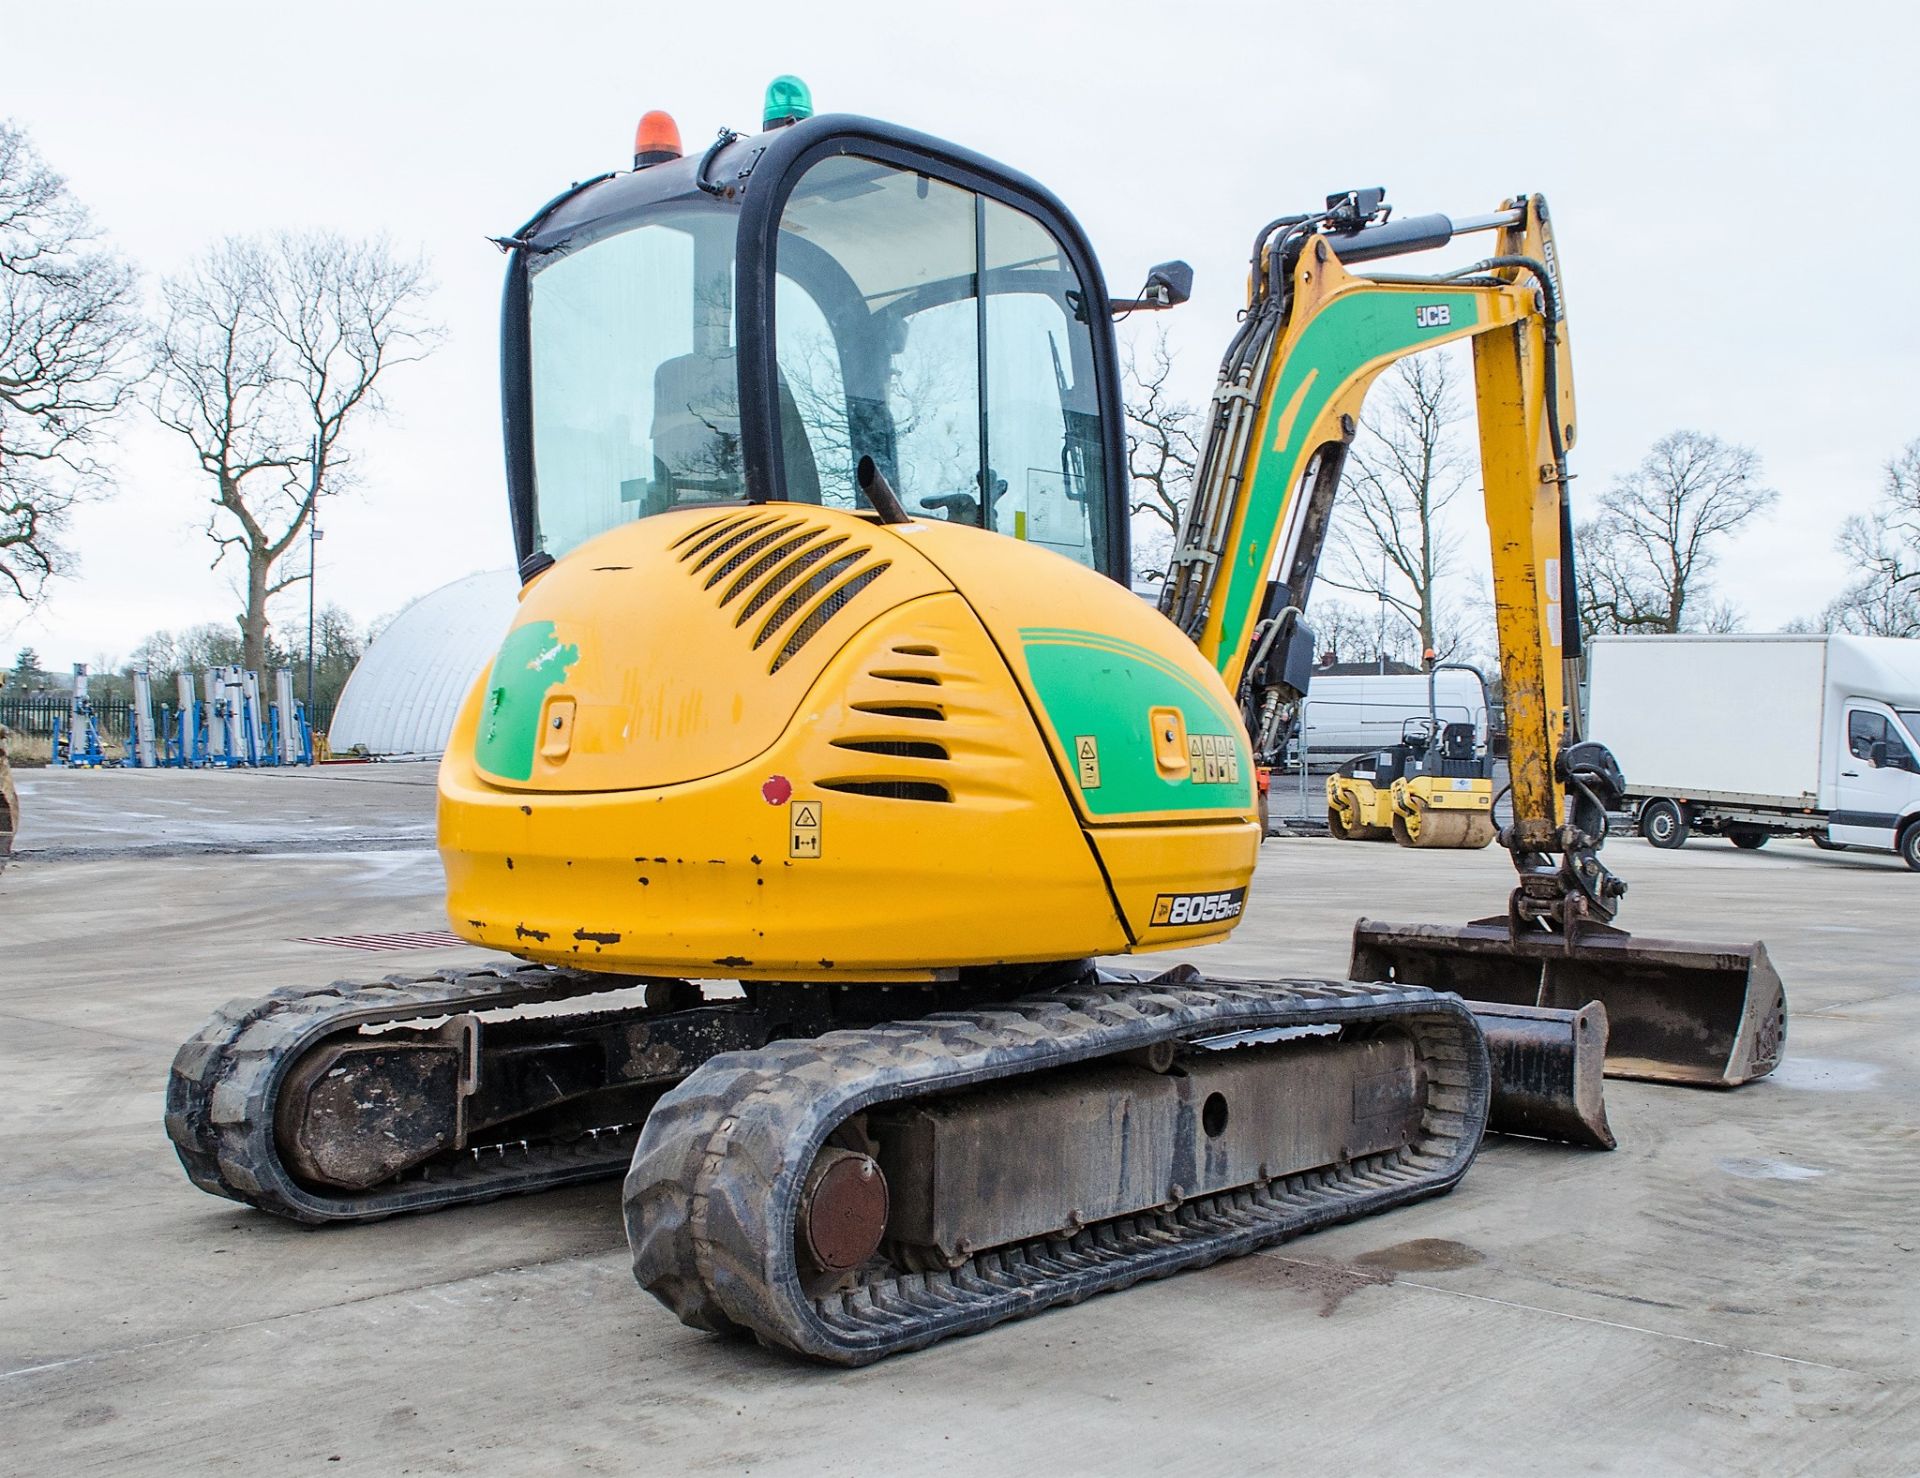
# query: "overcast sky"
1730,183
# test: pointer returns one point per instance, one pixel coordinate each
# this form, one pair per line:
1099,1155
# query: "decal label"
533,661
1214,759
1433,315
1086,755
1174,910
804,830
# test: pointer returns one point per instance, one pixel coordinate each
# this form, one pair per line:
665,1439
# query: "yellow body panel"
911,802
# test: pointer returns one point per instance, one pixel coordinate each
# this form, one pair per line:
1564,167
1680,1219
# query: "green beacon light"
788,101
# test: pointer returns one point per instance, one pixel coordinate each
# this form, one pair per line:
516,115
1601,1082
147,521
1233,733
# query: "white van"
1349,714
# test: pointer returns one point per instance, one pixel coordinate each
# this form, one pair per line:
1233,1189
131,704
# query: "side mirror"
1877,754
1168,285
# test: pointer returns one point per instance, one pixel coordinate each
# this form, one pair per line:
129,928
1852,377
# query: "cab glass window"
635,400
943,334
1864,730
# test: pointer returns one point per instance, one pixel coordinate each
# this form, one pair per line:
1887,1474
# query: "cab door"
1879,778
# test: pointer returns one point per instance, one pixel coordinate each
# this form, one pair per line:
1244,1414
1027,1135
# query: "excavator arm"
1315,336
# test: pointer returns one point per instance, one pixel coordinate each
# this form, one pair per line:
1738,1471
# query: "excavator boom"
1316,336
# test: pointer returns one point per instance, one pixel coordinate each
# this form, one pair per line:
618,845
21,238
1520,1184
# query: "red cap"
656,140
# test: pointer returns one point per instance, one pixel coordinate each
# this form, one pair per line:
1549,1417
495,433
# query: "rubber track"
710,1200
220,1094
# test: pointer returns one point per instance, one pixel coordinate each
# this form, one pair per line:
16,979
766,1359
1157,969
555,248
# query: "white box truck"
1750,737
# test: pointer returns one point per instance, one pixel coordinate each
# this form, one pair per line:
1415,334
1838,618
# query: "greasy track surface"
711,1197
220,1096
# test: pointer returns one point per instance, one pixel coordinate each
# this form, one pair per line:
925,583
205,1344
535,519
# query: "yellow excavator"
830,749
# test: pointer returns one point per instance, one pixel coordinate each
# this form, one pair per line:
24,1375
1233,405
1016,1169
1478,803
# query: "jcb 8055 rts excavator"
827,680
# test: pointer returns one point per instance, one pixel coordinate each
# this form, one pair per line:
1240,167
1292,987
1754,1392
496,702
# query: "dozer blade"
1706,1015
1547,1071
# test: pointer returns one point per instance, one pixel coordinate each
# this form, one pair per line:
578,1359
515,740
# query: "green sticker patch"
532,664
1097,692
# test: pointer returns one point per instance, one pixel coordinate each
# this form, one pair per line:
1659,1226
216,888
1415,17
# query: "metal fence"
34,717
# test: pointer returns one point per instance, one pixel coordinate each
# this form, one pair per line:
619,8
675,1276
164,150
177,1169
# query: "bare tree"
1343,634
1163,447
1645,562
69,336
268,352
1402,472
1885,546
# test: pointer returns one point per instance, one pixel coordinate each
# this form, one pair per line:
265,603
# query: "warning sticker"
1214,759
805,838
1086,754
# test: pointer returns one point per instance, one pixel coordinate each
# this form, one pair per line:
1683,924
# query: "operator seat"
696,435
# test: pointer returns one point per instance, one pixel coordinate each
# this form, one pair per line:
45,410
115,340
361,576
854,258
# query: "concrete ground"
1735,1290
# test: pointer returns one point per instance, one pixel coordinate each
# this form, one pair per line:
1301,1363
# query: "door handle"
1850,774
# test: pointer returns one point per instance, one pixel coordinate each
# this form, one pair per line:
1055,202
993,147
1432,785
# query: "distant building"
406,691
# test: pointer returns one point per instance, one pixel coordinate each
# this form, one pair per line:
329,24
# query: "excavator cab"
854,292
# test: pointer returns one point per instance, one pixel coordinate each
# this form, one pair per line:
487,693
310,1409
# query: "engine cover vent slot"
785,576
696,532
697,539
906,675
735,536
765,563
906,749
816,583
924,711
829,608
761,539
891,790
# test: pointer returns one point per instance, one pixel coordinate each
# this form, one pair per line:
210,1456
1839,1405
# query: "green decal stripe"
1352,333
1119,647
532,663
1092,684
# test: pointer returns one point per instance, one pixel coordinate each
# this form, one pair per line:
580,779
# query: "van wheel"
1747,838
1663,823
1910,845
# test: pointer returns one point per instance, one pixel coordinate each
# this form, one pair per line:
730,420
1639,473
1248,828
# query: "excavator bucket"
1547,1071
1710,1016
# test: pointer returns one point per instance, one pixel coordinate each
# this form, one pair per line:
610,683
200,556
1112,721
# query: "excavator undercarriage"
937,1175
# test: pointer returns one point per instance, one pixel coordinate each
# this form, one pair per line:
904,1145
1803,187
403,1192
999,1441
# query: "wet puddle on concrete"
1422,1255
1757,1169
1333,1283
1825,1074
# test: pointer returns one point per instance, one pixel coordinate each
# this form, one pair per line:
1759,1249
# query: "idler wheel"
843,1211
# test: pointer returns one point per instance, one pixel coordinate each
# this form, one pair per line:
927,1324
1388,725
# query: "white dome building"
407,689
